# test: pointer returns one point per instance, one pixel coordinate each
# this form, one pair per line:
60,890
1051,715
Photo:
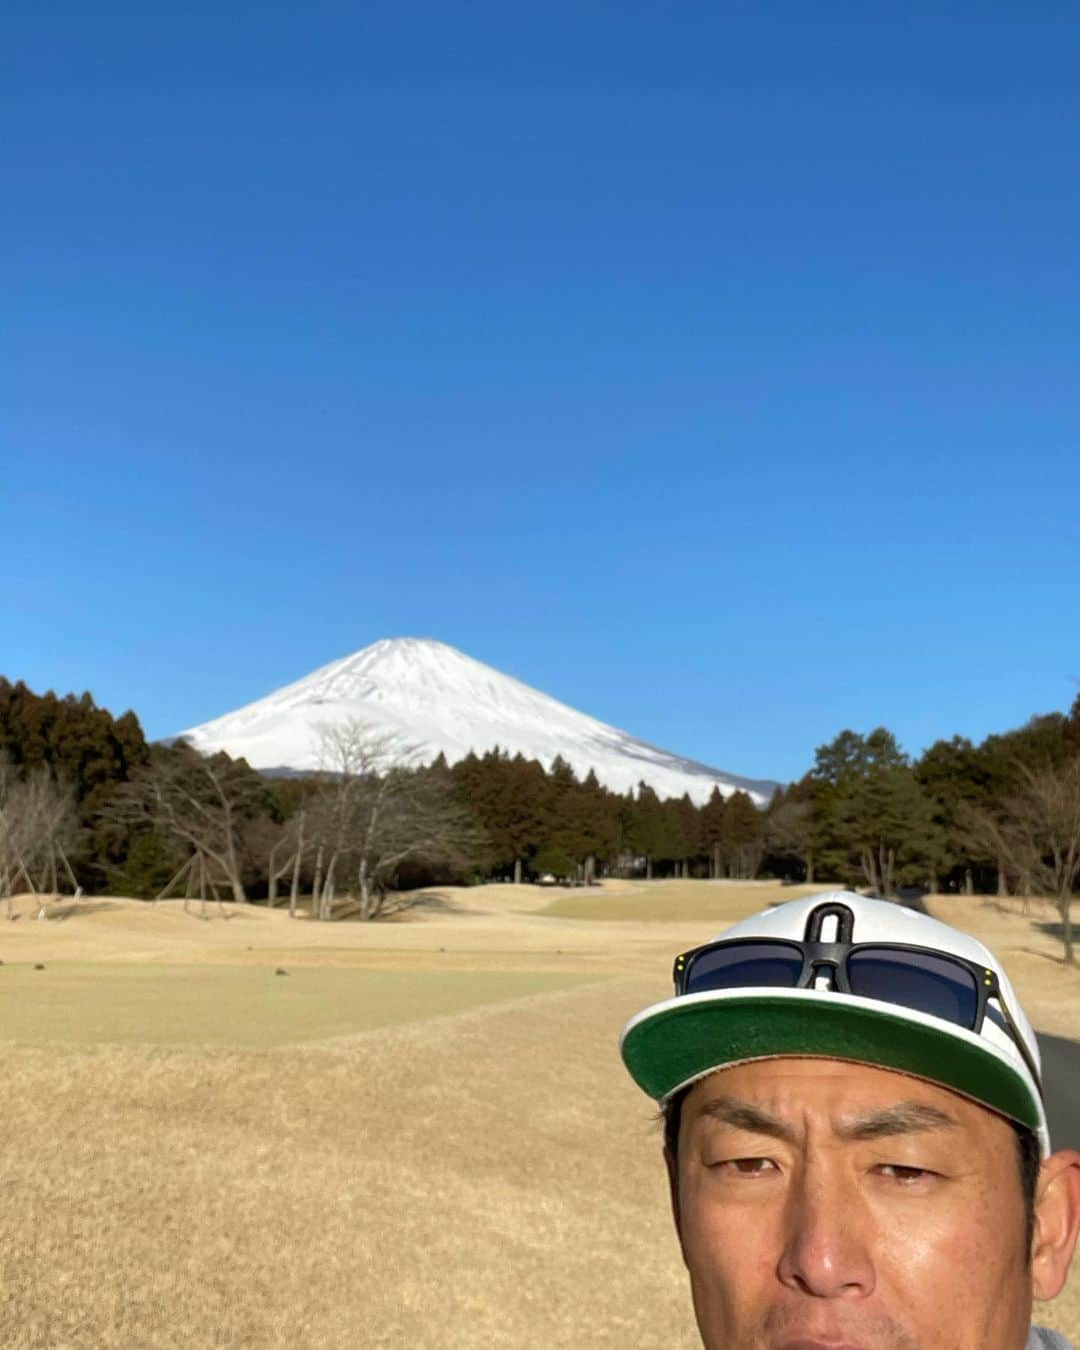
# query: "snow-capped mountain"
430,697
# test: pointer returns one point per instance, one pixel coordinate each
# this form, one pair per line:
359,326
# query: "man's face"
831,1206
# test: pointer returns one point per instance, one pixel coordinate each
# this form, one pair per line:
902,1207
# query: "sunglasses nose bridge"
819,964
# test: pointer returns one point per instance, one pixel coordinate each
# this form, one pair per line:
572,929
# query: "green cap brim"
685,1041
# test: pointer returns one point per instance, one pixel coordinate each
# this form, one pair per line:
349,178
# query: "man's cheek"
960,1222
734,1253
733,1285
919,1255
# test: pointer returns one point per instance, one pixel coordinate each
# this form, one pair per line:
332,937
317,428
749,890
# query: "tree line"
85,801
999,817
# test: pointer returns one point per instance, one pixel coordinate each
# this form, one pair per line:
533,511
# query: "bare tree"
412,817
198,878
16,835
201,803
351,758
789,830
38,824
280,860
373,816
302,842
275,848
1036,836
53,824
985,832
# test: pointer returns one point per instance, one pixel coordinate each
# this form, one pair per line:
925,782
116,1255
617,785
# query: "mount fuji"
429,697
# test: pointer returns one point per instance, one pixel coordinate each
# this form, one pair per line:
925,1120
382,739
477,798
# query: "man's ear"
1057,1222
673,1188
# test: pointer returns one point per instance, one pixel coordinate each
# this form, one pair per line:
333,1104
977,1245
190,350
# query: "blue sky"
713,368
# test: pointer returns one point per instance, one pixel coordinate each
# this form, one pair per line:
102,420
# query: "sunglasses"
921,979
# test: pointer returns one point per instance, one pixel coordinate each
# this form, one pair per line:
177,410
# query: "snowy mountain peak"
431,698
417,662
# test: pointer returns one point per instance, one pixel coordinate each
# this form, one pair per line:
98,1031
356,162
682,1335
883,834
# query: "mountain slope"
430,697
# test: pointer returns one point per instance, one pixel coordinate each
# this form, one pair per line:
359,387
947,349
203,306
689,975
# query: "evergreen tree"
650,837
871,815
712,832
744,836
1072,728
598,831
89,753
789,831
690,834
955,778
508,800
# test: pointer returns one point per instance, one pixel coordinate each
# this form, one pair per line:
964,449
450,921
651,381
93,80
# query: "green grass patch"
238,1006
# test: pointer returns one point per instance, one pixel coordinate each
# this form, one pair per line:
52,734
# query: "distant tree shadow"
1055,958
399,904
228,910
1055,930
79,907
913,897
60,912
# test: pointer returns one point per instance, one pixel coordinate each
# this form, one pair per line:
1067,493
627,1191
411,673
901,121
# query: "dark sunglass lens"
918,980
746,965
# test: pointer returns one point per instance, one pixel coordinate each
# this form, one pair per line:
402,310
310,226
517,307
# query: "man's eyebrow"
902,1118
745,1116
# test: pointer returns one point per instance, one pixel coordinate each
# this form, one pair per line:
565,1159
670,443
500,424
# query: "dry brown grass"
478,1173
706,902
240,1007
1049,990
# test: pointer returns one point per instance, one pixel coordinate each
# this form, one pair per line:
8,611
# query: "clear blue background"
712,367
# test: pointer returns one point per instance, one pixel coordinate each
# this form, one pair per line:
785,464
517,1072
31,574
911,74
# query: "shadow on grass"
78,907
228,910
55,912
1054,958
400,906
913,897
1057,930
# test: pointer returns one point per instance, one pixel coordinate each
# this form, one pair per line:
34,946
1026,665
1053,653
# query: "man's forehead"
842,1089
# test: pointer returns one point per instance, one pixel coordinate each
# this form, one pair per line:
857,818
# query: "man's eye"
904,1173
747,1167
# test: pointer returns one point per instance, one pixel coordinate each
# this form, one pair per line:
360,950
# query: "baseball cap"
744,1007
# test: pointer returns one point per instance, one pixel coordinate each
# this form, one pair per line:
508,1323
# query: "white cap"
671,1044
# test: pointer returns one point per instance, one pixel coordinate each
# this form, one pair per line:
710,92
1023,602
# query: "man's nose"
826,1253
